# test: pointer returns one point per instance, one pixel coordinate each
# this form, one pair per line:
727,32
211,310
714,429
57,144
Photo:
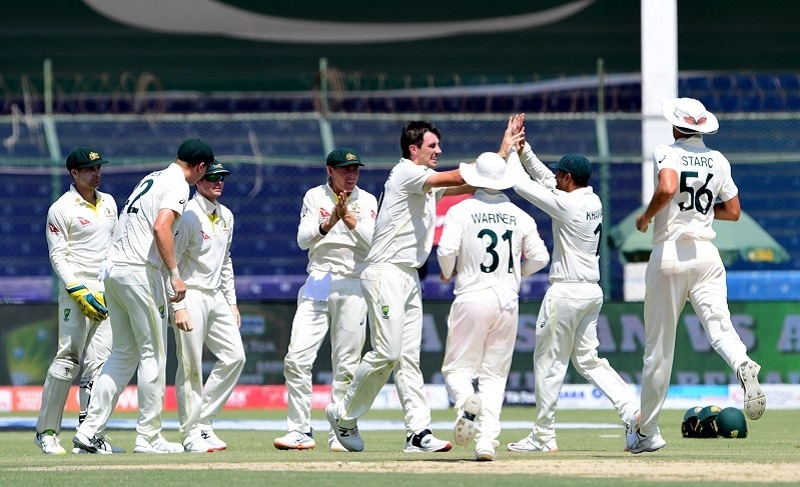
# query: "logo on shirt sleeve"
53,229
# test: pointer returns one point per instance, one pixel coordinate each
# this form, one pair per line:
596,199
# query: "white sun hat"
489,171
689,116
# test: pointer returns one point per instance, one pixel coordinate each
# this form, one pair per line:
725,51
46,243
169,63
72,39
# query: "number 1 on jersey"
490,249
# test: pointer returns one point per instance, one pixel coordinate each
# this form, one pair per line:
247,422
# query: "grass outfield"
587,456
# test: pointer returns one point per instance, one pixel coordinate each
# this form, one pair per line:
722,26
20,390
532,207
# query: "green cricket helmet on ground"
707,419
731,423
690,425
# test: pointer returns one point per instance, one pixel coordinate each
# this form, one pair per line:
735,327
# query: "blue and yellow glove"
93,306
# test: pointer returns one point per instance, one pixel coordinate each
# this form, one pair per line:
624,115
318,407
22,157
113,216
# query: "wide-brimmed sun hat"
689,116
489,171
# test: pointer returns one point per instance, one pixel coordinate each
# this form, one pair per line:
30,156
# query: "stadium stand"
726,92
266,223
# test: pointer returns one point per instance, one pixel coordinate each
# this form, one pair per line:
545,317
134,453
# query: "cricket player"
390,283
482,244
137,302
208,315
79,229
685,263
567,322
337,221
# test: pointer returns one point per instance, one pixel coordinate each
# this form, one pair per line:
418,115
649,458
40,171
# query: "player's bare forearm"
729,210
162,234
665,190
659,201
166,249
444,179
457,190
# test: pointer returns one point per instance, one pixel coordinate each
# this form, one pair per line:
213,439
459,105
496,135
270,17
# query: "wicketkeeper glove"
93,306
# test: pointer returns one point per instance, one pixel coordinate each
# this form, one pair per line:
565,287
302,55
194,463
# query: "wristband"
173,274
321,231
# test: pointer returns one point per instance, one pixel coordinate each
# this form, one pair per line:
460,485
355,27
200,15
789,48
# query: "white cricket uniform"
202,246
402,242
78,236
137,306
330,298
686,264
567,323
484,237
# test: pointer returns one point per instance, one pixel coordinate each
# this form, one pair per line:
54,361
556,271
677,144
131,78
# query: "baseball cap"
489,171
216,168
575,164
195,151
343,156
84,157
689,116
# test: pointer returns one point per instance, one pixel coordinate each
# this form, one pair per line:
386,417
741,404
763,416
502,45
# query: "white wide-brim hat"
489,171
689,116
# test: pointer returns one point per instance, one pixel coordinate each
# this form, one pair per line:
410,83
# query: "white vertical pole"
326,132
659,79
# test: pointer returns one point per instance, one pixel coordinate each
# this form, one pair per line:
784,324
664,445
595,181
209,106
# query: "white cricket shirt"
341,252
485,236
703,174
79,234
577,221
134,242
202,247
406,217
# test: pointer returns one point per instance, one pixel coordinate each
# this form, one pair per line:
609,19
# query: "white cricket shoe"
638,443
632,421
158,445
212,438
349,438
530,443
197,444
105,445
294,440
49,443
755,402
424,441
95,444
484,452
334,445
464,429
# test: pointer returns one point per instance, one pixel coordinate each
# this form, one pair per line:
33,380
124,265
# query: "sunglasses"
213,178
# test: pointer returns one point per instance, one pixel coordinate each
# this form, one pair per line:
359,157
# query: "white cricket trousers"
215,327
480,344
81,341
345,314
679,270
136,303
566,330
394,306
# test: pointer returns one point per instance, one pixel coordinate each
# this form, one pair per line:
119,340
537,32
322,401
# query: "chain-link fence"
275,158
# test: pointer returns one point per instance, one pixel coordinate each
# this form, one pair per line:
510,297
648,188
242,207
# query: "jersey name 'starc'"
697,161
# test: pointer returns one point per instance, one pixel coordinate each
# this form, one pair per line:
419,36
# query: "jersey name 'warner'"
494,218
